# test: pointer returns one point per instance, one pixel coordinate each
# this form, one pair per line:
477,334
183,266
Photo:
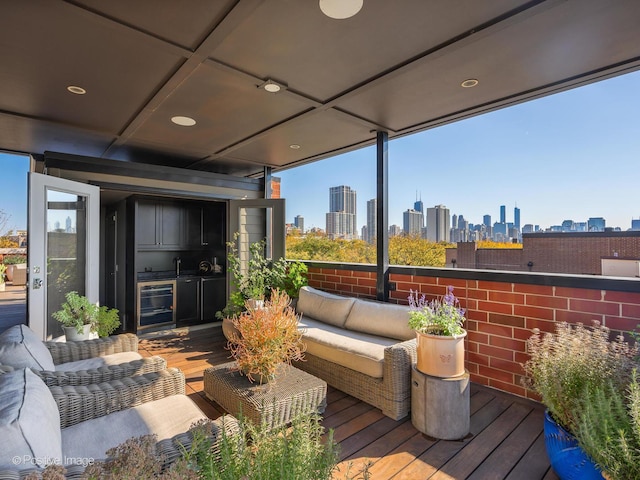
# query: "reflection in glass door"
66,220
64,229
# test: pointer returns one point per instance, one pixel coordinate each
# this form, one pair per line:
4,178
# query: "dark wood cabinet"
159,225
187,300
213,298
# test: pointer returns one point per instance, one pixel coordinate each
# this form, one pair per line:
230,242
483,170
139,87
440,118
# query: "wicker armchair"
76,363
65,352
85,404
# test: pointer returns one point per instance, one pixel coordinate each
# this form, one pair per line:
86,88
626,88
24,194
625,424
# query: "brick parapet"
500,315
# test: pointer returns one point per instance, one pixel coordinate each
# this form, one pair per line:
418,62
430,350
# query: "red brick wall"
500,316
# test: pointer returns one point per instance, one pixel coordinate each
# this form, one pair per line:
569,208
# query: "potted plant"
440,336
3,269
10,261
266,338
80,318
564,368
607,429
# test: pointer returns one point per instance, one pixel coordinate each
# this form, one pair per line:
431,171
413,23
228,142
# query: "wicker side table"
293,392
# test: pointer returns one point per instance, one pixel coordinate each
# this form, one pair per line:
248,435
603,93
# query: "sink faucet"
178,262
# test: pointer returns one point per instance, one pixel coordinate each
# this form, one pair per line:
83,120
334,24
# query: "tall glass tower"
341,219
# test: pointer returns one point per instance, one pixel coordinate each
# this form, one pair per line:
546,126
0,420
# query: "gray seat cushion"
361,352
379,318
97,362
20,347
323,306
29,422
165,418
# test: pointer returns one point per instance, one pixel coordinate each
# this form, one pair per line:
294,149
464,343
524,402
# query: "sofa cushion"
29,422
378,318
323,306
361,352
97,362
20,347
166,418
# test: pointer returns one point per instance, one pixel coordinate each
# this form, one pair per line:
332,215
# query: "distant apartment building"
635,224
395,230
596,224
412,222
372,221
438,224
341,219
581,253
298,221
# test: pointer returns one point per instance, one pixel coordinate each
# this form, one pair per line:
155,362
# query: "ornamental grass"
268,337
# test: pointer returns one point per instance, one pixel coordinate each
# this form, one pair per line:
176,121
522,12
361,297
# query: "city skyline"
569,156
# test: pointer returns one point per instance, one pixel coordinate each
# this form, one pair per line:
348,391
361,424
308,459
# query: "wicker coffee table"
293,392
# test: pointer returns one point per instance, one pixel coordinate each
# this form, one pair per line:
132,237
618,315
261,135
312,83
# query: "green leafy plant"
295,452
573,362
437,317
78,311
14,259
295,278
266,338
608,428
258,276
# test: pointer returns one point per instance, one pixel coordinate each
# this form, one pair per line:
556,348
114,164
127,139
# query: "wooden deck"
506,440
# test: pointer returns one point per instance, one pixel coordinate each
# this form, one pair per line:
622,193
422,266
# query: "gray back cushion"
29,422
20,347
378,318
323,306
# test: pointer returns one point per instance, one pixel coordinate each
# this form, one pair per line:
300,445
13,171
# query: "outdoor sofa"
75,424
76,363
364,348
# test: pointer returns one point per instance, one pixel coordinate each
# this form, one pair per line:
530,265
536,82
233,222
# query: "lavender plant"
439,316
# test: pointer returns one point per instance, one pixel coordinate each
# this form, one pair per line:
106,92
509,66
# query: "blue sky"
572,155
13,189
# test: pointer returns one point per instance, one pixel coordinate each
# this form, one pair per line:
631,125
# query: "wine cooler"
156,303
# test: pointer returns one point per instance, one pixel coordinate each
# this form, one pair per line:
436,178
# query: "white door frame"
37,247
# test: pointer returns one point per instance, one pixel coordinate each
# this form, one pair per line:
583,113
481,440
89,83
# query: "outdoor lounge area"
152,134
506,440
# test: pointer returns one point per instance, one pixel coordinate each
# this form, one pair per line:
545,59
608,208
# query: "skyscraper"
486,220
516,218
298,221
341,219
596,224
418,206
438,221
503,214
372,221
412,221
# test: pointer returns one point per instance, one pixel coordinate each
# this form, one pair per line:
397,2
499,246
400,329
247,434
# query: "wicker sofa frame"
391,393
80,403
63,352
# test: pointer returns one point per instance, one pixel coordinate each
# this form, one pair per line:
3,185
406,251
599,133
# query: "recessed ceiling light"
272,87
340,9
77,90
471,82
183,121
294,146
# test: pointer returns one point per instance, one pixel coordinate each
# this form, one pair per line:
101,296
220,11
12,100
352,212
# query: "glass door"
63,247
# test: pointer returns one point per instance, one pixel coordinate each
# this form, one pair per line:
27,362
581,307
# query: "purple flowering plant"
437,317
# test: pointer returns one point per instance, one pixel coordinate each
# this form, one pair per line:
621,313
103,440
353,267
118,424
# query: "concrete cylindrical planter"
441,356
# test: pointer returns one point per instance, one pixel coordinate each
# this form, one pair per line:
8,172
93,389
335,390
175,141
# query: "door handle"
37,283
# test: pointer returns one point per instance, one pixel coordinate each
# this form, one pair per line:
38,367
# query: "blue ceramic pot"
567,458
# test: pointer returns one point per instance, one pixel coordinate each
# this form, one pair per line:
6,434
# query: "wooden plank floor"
506,439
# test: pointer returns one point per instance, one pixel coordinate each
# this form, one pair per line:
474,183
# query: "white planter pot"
73,336
441,356
2,286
